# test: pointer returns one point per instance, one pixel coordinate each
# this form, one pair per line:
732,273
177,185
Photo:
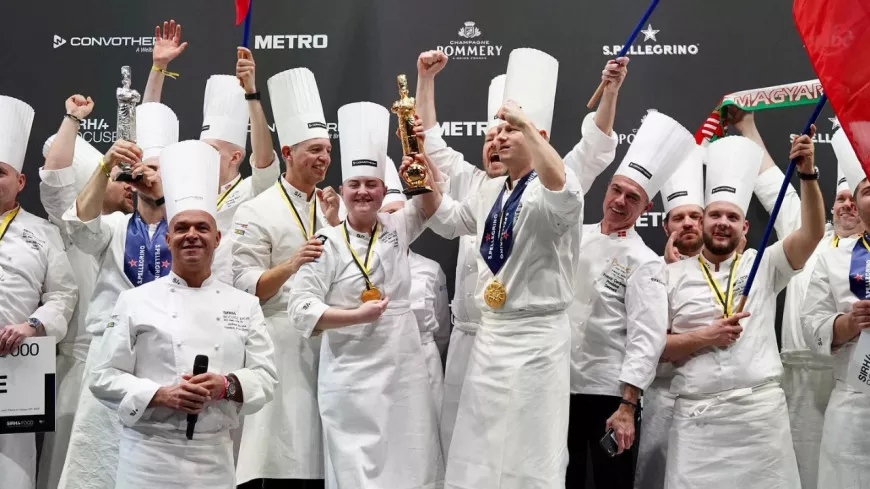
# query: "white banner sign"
27,390
859,366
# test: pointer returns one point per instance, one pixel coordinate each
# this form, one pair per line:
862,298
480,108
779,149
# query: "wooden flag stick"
775,211
597,95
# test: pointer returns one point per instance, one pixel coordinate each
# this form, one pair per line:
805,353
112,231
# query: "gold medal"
495,294
372,294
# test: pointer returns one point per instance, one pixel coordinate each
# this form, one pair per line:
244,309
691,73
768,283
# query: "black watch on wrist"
252,96
160,201
809,176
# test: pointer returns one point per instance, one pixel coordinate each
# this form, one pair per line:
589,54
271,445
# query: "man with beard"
834,314
282,445
69,163
157,331
730,426
38,291
619,315
587,159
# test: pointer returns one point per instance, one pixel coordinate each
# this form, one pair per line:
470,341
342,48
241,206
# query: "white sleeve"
646,303
115,384
442,312
308,289
259,376
263,178
57,191
563,208
777,267
593,154
819,310
92,237
59,289
252,249
414,219
767,190
453,219
451,163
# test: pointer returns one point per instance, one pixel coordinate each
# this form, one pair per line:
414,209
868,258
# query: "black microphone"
200,366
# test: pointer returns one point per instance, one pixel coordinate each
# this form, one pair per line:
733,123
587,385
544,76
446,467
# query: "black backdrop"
52,49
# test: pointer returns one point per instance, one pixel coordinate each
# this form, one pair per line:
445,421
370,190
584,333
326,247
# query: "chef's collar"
17,206
626,233
294,192
229,184
723,264
178,281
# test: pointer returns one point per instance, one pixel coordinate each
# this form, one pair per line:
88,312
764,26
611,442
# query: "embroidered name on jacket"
32,241
389,238
616,277
232,320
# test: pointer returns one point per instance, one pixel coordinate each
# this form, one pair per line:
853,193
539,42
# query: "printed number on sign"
25,350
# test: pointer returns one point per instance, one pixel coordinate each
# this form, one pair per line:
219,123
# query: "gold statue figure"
415,175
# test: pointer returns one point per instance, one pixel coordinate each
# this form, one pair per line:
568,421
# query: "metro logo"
291,41
475,128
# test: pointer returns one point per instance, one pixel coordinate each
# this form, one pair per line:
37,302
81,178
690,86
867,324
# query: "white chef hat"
16,118
686,185
531,82
156,128
86,158
189,173
847,161
393,183
496,97
659,147
225,111
296,106
363,138
732,169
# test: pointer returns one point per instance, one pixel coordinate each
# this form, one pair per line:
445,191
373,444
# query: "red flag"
836,34
242,7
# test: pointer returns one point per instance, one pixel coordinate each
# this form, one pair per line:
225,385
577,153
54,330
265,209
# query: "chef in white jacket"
157,330
131,251
69,163
730,426
834,317
683,200
596,150
512,419
37,289
619,317
227,108
272,238
380,428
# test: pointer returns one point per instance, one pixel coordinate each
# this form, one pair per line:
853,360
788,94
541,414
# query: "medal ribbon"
145,259
4,226
859,267
500,225
363,267
223,197
725,299
313,213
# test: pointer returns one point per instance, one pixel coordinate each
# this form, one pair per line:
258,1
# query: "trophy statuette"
127,100
415,175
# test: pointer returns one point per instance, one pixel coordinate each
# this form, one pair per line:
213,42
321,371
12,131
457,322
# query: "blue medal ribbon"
145,258
859,267
498,236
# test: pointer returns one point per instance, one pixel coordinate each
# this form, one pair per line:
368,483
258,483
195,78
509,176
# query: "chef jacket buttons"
217,347
174,315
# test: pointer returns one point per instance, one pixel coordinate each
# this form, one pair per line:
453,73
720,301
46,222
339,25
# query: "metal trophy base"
128,177
412,191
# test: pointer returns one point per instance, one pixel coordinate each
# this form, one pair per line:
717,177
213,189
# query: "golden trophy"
415,175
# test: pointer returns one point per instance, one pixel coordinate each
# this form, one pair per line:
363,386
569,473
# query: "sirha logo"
652,49
470,46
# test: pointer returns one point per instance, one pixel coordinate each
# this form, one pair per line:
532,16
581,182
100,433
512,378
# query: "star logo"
487,237
650,33
165,264
504,235
835,123
859,277
132,263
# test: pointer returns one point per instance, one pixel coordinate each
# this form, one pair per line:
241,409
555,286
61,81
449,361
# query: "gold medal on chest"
495,294
370,294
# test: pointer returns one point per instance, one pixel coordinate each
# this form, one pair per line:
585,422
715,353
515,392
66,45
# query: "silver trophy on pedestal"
127,100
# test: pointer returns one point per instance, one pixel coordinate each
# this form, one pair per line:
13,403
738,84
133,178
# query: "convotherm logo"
471,45
143,44
650,34
291,41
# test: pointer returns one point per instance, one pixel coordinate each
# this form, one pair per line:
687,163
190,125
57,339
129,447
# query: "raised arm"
167,47
57,189
263,152
800,244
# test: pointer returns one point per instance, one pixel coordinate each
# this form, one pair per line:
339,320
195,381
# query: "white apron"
655,427
845,454
461,341
17,461
284,449
512,425
436,372
380,431
153,461
739,439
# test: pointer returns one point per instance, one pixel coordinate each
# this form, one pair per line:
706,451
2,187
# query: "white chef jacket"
429,300
619,317
240,190
587,159
538,274
753,359
155,332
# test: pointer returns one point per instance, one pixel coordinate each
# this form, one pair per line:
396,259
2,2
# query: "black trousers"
589,414
282,484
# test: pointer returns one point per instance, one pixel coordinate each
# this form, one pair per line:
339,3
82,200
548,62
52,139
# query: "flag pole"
649,10
247,39
775,211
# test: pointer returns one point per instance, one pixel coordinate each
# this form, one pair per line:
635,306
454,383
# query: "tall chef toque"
296,106
189,171
225,111
16,119
494,102
660,146
848,166
156,128
531,81
363,140
732,168
686,185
